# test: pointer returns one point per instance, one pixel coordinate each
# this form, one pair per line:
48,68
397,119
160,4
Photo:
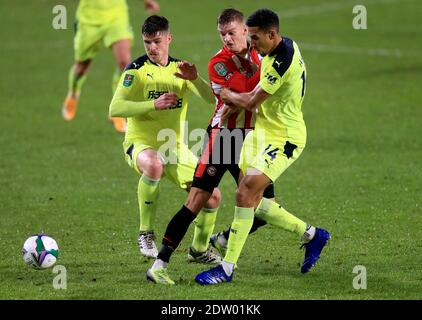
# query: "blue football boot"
214,275
313,249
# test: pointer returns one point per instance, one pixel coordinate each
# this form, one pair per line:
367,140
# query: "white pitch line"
352,50
312,10
44,44
316,47
327,7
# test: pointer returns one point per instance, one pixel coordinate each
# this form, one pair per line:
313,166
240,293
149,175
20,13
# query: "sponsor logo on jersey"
153,94
271,79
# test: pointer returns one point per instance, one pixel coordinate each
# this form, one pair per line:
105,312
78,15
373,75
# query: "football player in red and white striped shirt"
235,66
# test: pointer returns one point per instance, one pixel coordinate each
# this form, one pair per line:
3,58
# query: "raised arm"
196,83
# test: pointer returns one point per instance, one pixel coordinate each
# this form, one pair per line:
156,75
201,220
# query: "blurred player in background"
153,95
264,157
235,66
151,6
100,22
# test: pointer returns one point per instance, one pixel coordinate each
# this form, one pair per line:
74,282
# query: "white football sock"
309,233
228,267
221,239
158,263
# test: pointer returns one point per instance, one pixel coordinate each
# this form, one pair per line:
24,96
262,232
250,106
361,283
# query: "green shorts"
268,154
180,166
90,38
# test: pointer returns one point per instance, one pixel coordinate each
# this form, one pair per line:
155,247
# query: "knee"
122,63
121,50
241,195
81,67
198,199
215,199
153,167
246,196
123,58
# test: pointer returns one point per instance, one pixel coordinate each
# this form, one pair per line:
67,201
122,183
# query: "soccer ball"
40,251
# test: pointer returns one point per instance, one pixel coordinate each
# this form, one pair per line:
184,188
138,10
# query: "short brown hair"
229,15
154,24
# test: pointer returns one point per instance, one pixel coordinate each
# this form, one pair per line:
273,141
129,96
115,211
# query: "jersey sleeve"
124,103
201,89
241,83
220,76
276,72
270,80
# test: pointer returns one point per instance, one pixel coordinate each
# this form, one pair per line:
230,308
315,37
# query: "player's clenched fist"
165,101
224,95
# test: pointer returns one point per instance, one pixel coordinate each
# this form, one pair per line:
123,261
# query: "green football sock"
147,199
75,83
204,226
274,214
242,223
115,80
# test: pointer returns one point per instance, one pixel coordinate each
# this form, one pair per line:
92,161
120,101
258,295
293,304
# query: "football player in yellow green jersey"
277,141
153,95
97,22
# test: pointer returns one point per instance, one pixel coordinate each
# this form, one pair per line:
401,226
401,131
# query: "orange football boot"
119,124
69,106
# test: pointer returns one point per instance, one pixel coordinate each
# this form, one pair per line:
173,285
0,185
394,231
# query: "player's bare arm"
228,110
248,101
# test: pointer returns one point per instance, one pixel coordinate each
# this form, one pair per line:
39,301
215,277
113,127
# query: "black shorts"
221,153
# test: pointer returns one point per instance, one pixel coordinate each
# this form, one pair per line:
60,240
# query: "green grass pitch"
360,175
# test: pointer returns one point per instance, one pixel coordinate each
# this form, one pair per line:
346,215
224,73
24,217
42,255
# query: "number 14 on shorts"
272,153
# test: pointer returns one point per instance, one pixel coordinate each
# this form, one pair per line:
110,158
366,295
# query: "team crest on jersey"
212,170
221,69
127,82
